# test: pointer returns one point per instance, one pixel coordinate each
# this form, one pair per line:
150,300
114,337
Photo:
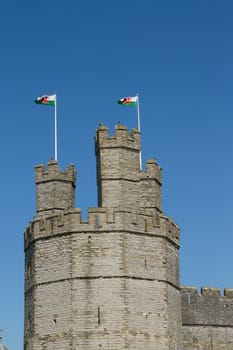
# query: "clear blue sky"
178,55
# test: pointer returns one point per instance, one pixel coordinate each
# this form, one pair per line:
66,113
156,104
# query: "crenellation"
121,138
209,308
54,172
207,292
147,222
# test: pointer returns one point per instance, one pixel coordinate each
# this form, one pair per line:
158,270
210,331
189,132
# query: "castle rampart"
207,319
103,219
209,308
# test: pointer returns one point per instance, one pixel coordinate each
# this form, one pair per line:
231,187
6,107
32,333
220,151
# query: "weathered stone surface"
112,281
207,318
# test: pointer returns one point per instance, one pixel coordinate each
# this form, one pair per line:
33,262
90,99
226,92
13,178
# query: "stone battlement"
209,308
207,292
121,138
54,173
101,219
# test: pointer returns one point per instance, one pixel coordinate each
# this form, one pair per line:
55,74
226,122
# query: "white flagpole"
139,129
55,127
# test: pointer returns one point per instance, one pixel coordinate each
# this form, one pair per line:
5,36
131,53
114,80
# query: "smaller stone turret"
151,182
54,189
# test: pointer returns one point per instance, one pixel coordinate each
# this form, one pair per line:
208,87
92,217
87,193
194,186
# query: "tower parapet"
102,219
122,138
54,188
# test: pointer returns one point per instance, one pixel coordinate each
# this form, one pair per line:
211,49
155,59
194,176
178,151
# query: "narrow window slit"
98,312
96,222
189,297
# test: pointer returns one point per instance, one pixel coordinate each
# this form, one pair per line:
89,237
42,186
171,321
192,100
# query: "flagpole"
139,129
55,127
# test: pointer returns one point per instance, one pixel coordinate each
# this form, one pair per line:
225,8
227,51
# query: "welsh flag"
128,101
46,100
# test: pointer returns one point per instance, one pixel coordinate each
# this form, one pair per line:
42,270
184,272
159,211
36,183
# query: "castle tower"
111,282
119,179
54,190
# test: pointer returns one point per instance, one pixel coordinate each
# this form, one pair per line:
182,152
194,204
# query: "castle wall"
92,287
207,319
207,338
174,318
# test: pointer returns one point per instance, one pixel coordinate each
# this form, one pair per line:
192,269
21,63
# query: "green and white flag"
46,100
128,101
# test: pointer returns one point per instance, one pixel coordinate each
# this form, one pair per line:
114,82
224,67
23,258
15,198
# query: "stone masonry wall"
150,186
207,308
54,189
207,337
90,286
120,181
117,167
207,319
